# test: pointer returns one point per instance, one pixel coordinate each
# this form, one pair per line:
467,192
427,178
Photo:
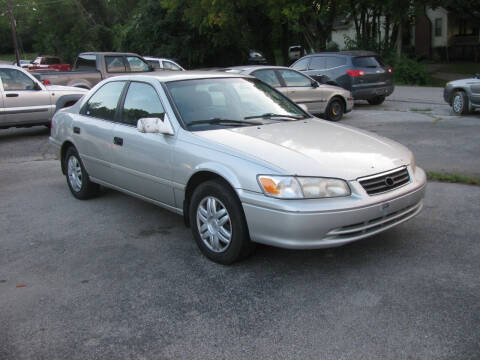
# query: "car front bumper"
322,223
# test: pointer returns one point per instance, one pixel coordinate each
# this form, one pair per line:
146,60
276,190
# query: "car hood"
69,89
314,147
463,82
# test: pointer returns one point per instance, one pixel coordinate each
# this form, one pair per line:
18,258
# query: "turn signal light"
269,186
355,73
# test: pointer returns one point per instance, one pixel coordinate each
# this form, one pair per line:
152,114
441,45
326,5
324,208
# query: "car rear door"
475,88
143,160
93,130
25,100
301,90
376,74
2,116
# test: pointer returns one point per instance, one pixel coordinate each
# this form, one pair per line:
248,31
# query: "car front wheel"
77,178
218,223
334,110
460,103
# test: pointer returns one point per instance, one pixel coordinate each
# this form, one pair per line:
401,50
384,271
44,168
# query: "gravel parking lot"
115,277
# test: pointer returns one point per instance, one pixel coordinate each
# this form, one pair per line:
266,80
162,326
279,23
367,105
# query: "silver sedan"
240,161
25,101
327,100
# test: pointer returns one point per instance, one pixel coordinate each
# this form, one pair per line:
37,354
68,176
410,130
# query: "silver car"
24,101
463,95
240,161
330,101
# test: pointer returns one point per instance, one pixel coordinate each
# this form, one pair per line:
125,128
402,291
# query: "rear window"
368,61
335,61
85,62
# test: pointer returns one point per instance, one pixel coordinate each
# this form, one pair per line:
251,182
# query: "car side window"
137,65
115,64
170,66
154,63
318,63
142,101
15,80
268,76
293,78
103,104
301,64
335,61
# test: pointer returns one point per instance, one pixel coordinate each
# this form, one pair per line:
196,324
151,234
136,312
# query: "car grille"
385,182
374,226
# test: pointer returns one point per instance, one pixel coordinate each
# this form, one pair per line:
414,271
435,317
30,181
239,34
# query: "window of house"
438,27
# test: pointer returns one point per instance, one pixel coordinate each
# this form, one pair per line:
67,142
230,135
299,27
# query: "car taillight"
46,82
355,73
390,70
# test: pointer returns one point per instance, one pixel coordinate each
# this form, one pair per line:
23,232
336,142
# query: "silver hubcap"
458,103
213,223
74,173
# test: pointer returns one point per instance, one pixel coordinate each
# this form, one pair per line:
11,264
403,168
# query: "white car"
163,64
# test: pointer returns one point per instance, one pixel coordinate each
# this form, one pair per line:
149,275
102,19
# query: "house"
440,33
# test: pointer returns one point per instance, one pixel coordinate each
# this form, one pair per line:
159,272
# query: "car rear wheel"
460,103
218,223
377,100
77,177
334,110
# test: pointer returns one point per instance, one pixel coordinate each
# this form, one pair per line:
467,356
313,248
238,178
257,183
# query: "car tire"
377,100
218,223
460,102
335,110
77,177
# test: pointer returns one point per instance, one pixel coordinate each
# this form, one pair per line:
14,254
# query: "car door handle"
76,130
11,95
118,141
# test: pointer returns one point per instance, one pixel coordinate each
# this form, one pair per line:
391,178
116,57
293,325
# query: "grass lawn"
460,68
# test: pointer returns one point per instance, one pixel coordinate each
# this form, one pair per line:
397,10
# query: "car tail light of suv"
355,73
390,70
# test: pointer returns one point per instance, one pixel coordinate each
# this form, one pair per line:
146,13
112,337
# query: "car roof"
167,76
251,68
157,58
111,53
346,53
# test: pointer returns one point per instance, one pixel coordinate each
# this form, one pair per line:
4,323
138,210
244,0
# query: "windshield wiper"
227,122
272,115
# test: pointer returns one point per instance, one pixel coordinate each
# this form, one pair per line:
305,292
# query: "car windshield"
221,102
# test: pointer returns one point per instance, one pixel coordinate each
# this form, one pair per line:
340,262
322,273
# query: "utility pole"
13,27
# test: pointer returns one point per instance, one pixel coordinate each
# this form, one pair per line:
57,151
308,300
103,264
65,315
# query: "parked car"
330,101
463,95
255,58
243,163
163,63
25,102
48,63
361,72
92,67
295,52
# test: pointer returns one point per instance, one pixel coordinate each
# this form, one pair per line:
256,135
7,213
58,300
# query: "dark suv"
361,72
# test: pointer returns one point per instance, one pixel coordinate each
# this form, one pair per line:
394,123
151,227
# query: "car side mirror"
315,84
155,125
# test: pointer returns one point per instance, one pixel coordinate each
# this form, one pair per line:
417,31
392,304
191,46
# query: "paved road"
117,278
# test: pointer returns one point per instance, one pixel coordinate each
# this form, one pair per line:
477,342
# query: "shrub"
408,71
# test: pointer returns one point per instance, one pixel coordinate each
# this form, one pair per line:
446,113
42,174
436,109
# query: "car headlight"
297,187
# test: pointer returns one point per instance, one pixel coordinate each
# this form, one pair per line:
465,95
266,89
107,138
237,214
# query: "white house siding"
439,13
338,36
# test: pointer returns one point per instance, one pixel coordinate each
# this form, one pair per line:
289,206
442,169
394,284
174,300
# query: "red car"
48,63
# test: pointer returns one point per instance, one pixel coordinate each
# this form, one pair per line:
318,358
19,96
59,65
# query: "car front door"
93,131
2,116
25,100
143,160
302,91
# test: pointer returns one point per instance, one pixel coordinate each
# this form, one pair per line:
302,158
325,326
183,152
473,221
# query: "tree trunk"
399,39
